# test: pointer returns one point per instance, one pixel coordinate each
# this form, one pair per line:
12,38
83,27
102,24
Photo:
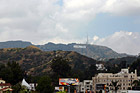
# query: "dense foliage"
36,62
136,65
12,72
61,67
45,85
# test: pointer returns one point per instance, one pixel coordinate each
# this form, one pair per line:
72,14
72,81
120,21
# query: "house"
33,86
30,86
100,67
4,86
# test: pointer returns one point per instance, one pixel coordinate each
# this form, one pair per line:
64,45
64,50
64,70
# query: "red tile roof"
5,84
6,88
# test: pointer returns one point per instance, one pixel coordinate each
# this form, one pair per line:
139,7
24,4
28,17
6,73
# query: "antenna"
87,39
87,44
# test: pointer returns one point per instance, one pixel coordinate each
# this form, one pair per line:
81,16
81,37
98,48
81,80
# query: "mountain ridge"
93,51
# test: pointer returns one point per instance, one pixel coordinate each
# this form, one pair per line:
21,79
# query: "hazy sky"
112,23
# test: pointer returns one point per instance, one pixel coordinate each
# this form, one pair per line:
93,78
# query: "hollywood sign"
79,46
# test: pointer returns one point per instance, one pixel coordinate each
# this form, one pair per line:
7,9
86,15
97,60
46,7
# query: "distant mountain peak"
15,44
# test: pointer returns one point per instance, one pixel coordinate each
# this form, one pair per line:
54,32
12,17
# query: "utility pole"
68,88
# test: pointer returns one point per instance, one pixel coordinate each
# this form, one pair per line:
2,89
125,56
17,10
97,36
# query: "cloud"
95,38
41,21
30,20
122,7
86,10
122,42
81,9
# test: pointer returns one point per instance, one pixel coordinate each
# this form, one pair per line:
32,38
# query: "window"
87,82
125,75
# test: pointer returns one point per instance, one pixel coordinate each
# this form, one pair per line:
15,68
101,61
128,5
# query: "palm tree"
136,83
115,85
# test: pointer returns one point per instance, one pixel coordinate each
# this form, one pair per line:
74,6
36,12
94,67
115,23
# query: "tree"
61,92
136,83
2,66
91,71
44,85
12,73
61,67
18,88
115,85
123,64
135,65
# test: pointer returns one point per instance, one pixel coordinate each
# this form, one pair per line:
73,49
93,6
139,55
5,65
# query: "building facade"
103,81
85,86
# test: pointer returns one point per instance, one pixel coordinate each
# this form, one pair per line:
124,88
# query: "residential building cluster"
7,87
103,82
124,79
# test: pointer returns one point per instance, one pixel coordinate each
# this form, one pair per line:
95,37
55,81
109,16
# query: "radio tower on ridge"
87,39
87,45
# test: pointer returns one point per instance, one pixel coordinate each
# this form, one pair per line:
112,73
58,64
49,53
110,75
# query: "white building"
33,86
100,67
84,86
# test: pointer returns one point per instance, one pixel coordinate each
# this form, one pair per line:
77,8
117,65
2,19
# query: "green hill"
36,62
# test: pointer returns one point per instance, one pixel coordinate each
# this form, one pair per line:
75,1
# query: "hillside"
36,62
93,51
128,60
